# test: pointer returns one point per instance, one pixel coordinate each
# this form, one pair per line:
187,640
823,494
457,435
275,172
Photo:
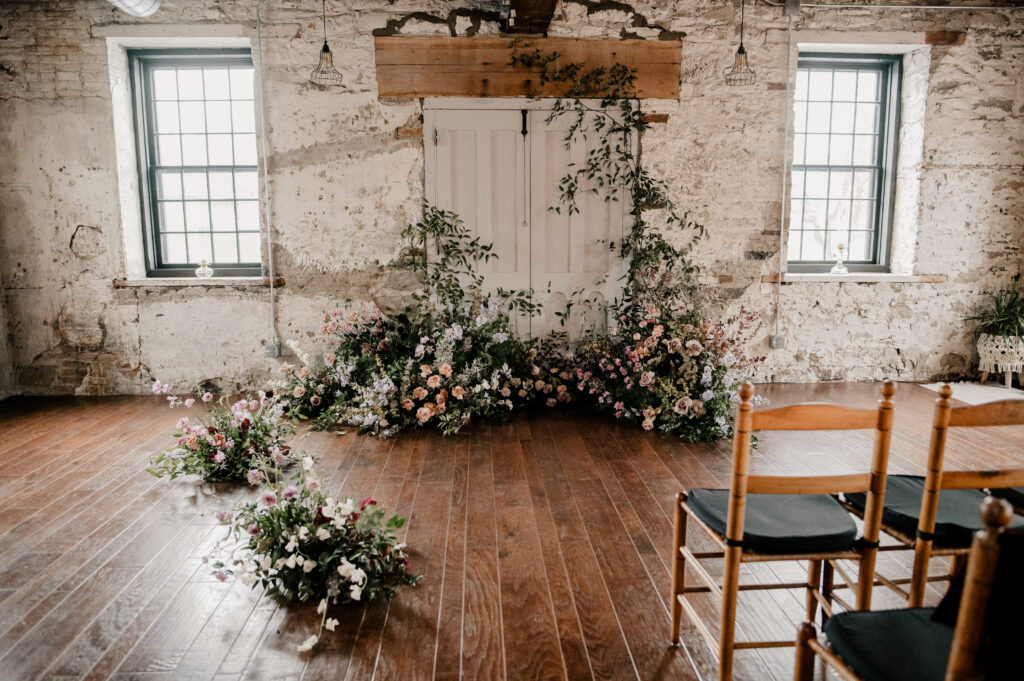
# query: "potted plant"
1000,333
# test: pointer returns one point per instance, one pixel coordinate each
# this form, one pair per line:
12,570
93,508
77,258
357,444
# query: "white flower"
358,576
303,533
266,562
323,534
346,568
322,607
291,545
307,463
346,508
290,561
308,644
249,579
309,566
330,624
355,592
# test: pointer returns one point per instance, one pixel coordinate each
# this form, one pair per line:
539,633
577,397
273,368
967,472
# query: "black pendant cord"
743,5
324,17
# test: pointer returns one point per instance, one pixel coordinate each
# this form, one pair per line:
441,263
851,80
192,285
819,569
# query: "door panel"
570,252
504,187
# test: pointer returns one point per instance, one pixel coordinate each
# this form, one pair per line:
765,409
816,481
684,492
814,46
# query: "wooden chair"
773,518
936,514
916,643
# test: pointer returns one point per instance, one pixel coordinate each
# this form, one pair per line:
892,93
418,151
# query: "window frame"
890,68
143,111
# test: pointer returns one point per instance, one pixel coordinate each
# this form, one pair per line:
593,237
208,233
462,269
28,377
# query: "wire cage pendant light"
325,74
740,72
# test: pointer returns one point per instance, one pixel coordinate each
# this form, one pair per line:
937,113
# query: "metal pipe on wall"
274,351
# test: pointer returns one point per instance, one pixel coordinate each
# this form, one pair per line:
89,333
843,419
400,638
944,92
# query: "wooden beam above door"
414,67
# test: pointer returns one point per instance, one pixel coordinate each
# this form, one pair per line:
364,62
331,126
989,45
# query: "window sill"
223,282
855,278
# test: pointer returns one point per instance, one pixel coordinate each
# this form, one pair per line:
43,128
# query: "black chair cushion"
891,645
1015,495
955,522
780,523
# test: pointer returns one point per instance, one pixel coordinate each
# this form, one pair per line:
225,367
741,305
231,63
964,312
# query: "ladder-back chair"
772,518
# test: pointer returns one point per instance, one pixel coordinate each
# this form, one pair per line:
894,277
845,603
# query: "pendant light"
325,74
740,72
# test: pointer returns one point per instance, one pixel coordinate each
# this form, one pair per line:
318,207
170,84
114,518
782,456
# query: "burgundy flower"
368,501
319,518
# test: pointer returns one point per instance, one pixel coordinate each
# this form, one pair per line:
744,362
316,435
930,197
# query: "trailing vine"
658,271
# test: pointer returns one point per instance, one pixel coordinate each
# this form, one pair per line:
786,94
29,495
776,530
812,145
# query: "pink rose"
298,392
458,392
423,414
420,392
445,370
329,359
425,370
434,381
207,397
408,404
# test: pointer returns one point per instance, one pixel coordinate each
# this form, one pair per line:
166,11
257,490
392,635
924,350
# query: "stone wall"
347,175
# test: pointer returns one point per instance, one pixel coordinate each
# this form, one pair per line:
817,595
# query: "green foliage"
1004,315
660,272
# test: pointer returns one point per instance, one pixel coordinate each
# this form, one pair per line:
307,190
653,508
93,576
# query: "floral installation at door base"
303,545
241,441
452,355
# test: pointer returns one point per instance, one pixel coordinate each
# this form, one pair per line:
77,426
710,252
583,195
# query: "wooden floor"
544,543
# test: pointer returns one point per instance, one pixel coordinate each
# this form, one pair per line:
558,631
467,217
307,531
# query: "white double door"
504,184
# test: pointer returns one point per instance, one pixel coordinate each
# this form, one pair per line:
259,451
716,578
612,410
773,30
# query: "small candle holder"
839,267
204,271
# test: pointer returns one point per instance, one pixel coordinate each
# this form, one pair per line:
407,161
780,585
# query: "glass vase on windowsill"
204,271
838,268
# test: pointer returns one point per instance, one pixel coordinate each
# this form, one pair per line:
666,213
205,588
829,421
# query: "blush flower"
299,391
434,381
189,402
445,370
458,392
268,498
254,477
207,398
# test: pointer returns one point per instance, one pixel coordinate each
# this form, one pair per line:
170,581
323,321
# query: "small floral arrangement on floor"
302,545
243,441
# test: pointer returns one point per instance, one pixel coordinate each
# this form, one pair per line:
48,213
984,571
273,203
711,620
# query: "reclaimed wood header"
413,67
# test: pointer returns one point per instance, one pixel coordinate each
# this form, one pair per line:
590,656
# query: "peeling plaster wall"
347,175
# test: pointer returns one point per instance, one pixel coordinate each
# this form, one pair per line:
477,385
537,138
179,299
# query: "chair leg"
813,584
827,580
866,579
678,569
984,377
804,670
730,594
919,577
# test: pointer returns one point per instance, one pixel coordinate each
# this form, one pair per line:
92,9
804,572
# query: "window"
196,134
845,120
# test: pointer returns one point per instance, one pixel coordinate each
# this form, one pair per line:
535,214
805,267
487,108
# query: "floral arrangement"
302,545
241,441
452,355
672,371
443,360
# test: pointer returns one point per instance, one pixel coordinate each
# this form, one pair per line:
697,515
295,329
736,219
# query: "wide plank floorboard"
544,541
